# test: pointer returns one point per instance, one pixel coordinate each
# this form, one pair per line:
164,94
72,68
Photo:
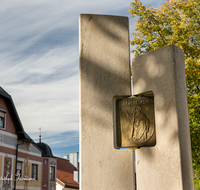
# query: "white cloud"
39,58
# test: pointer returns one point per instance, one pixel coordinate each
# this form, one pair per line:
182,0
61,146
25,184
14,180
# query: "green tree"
175,22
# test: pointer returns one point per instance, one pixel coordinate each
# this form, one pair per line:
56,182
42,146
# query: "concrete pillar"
168,165
104,73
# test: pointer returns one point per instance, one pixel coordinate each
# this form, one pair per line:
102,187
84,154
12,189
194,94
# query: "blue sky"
39,53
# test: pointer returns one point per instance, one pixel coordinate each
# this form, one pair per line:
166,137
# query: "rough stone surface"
168,165
104,73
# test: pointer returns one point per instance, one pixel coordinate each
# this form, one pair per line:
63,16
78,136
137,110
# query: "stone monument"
168,165
162,124
104,73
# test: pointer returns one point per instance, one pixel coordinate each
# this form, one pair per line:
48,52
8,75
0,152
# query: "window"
2,119
34,173
19,169
52,173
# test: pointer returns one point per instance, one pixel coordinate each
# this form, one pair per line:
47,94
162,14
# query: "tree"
175,22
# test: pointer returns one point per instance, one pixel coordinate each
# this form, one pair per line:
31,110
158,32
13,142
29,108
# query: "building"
67,172
49,167
24,165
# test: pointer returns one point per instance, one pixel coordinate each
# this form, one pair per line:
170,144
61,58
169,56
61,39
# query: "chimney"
66,157
73,158
76,177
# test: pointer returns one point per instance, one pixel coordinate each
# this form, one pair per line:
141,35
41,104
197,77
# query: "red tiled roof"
65,172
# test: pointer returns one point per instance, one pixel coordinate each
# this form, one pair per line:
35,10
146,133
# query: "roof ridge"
4,93
14,115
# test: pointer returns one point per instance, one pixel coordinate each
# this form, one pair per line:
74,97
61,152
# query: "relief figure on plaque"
140,124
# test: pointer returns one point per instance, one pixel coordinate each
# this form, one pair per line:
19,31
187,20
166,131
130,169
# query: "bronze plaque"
135,122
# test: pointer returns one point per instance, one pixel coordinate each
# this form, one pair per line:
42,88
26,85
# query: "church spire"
40,135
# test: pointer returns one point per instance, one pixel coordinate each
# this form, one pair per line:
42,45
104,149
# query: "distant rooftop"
65,173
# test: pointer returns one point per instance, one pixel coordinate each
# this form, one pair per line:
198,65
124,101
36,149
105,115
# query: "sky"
39,61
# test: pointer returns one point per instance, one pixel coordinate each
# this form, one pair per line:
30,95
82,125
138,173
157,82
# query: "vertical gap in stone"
135,171
131,85
131,79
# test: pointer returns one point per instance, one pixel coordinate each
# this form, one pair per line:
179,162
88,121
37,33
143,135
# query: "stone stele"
104,73
168,165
